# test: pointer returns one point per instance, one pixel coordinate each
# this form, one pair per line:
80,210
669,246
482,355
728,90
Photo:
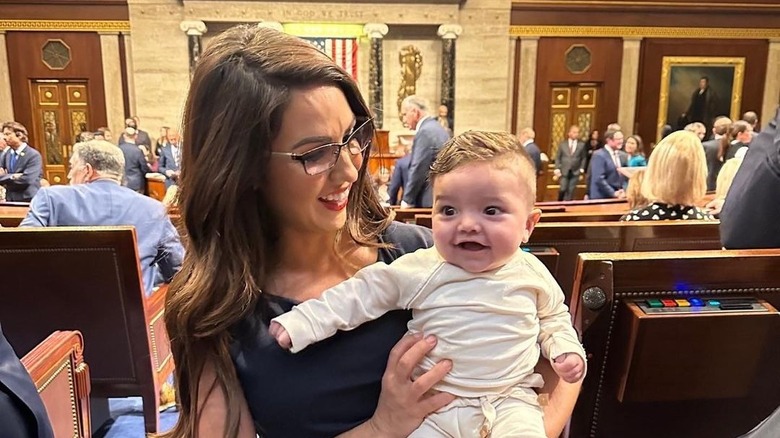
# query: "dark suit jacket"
713,163
22,413
604,177
536,155
167,162
141,138
136,167
30,165
399,178
566,161
428,141
751,215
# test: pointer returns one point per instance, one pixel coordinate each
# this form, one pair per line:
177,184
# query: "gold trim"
65,25
642,3
666,69
153,336
643,32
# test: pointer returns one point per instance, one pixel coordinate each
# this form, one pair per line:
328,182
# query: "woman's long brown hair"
239,92
737,127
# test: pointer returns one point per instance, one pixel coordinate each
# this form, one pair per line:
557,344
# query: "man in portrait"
703,105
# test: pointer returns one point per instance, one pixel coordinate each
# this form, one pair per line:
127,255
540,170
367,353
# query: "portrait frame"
680,76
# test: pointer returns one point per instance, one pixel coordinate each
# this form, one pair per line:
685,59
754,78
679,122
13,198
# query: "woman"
636,151
740,135
290,212
675,180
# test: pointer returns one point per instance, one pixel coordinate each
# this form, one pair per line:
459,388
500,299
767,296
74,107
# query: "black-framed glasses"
323,158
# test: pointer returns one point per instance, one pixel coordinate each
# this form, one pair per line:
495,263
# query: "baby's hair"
502,149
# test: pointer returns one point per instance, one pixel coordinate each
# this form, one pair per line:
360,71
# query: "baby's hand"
281,335
568,366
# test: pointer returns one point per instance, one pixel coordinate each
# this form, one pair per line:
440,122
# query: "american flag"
342,50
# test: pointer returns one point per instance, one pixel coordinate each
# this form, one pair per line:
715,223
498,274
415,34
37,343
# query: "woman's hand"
404,403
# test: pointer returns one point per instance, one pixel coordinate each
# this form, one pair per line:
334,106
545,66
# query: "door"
60,114
572,104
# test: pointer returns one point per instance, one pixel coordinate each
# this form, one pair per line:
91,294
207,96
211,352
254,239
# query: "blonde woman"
725,178
634,190
676,179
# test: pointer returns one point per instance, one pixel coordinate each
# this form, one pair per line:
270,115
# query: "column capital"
529,38
633,38
275,25
108,33
774,40
375,30
449,31
193,27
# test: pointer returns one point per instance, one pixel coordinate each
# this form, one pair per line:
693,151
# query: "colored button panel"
669,303
682,303
696,302
654,303
715,303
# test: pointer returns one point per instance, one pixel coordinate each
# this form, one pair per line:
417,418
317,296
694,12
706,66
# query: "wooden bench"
88,279
11,215
57,368
692,374
571,239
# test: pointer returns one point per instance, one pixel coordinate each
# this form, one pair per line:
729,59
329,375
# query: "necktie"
616,159
176,155
12,162
572,146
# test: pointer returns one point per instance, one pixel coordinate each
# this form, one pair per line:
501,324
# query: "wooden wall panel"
675,13
64,9
607,56
24,60
755,53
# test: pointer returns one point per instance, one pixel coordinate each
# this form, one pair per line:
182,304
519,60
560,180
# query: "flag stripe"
343,51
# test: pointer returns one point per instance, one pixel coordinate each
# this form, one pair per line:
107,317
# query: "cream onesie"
492,325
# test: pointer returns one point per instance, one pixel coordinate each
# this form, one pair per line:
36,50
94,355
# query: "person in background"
636,151
428,139
95,197
725,179
720,129
697,128
634,191
104,134
136,164
170,159
380,181
22,170
752,118
740,136
527,137
400,175
444,118
605,181
569,163
675,181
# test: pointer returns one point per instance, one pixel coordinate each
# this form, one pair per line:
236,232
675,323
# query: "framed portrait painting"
699,89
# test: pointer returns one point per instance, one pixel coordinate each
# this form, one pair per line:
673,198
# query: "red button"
669,303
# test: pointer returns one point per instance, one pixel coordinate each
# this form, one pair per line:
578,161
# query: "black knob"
594,298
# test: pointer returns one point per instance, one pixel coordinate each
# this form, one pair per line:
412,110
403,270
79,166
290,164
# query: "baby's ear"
530,223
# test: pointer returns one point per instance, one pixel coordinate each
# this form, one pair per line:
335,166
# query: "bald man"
527,138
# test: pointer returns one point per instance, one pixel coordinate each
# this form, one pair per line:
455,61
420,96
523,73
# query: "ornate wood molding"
65,25
645,4
644,32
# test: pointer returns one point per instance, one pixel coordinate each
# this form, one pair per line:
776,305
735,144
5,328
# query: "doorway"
571,104
60,113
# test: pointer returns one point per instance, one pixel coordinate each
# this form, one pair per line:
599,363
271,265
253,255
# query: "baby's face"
481,215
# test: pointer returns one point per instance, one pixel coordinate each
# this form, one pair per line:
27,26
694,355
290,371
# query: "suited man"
136,166
704,102
22,414
527,137
400,175
22,166
749,218
95,197
170,159
720,128
3,150
428,140
142,137
569,163
605,180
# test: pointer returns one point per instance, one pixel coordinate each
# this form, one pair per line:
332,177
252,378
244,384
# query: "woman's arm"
562,397
403,403
214,410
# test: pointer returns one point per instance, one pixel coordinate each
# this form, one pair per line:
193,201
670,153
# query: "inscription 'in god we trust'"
329,14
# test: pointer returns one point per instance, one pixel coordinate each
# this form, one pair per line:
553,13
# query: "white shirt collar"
21,148
527,142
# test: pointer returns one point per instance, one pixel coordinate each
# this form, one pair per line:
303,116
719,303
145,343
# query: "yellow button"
682,303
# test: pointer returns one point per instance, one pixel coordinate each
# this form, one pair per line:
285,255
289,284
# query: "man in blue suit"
96,197
170,159
22,167
605,181
400,175
136,166
428,140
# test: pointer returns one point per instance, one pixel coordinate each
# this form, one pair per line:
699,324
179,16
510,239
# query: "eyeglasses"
323,158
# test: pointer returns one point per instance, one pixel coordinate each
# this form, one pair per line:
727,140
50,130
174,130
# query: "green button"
655,303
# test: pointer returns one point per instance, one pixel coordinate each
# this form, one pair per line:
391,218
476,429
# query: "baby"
491,305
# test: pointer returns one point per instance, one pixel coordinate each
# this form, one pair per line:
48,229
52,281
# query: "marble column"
448,33
6,103
375,32
629,83
129,74
526,92
772,87
194,30
512,95
112,80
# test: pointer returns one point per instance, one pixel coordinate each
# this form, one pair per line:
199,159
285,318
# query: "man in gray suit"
569,163
719,129
95,197
22,168
428,140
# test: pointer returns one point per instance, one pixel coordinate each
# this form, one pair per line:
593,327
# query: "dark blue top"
331,386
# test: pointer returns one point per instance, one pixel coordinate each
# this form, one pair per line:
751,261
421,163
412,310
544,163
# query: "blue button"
696,302
713,302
